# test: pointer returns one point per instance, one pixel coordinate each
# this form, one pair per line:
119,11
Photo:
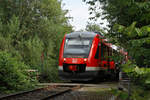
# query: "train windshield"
77,47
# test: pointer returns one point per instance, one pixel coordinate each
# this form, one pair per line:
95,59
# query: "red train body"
84,56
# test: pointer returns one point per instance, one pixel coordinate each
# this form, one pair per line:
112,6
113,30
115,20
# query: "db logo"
74,60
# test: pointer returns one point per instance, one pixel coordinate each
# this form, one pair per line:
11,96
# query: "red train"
85,56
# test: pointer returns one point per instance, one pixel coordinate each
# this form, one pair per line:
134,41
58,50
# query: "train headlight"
85,60
64,59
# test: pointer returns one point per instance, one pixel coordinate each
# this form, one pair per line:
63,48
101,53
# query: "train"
85,56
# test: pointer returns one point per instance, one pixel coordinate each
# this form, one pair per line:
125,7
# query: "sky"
79,11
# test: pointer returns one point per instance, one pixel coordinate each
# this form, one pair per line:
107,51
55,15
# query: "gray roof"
81,34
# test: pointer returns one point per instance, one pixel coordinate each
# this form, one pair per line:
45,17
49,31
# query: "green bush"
49,71
13,74
28,31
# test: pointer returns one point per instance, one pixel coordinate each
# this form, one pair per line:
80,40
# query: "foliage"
31,30
93,27
137,43
123,12
129,27
13,74
121,94
140,76
140,94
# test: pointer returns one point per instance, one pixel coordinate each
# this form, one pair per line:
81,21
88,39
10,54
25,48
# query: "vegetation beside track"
30,36
129,27
13,74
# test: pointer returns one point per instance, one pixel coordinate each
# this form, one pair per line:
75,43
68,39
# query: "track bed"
67,91
45,93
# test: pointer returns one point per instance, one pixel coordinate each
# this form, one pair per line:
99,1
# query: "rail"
45,93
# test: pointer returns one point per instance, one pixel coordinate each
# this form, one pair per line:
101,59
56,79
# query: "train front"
75,57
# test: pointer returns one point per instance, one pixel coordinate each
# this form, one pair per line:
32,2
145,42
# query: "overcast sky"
79,11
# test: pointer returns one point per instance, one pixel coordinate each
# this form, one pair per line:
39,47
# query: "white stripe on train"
88,68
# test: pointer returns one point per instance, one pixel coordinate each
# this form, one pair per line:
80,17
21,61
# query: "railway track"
67,91
46,93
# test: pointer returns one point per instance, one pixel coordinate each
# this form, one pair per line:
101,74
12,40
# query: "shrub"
49,72
13,74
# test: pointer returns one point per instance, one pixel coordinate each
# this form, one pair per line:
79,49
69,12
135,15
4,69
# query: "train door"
97,55
110,60
99,60
104,56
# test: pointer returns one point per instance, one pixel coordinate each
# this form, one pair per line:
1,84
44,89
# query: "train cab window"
77,47
97,53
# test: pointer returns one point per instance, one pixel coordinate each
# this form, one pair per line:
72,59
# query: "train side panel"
61,54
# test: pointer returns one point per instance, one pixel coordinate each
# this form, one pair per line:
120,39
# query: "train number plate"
74,60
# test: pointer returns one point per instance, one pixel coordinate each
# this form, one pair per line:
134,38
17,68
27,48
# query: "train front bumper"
85,76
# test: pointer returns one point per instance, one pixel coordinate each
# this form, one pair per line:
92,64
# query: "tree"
93,27
129,26
29,28
132,24
13,74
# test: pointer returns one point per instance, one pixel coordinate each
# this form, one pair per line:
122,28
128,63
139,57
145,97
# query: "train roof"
116,48
92,35
81,34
